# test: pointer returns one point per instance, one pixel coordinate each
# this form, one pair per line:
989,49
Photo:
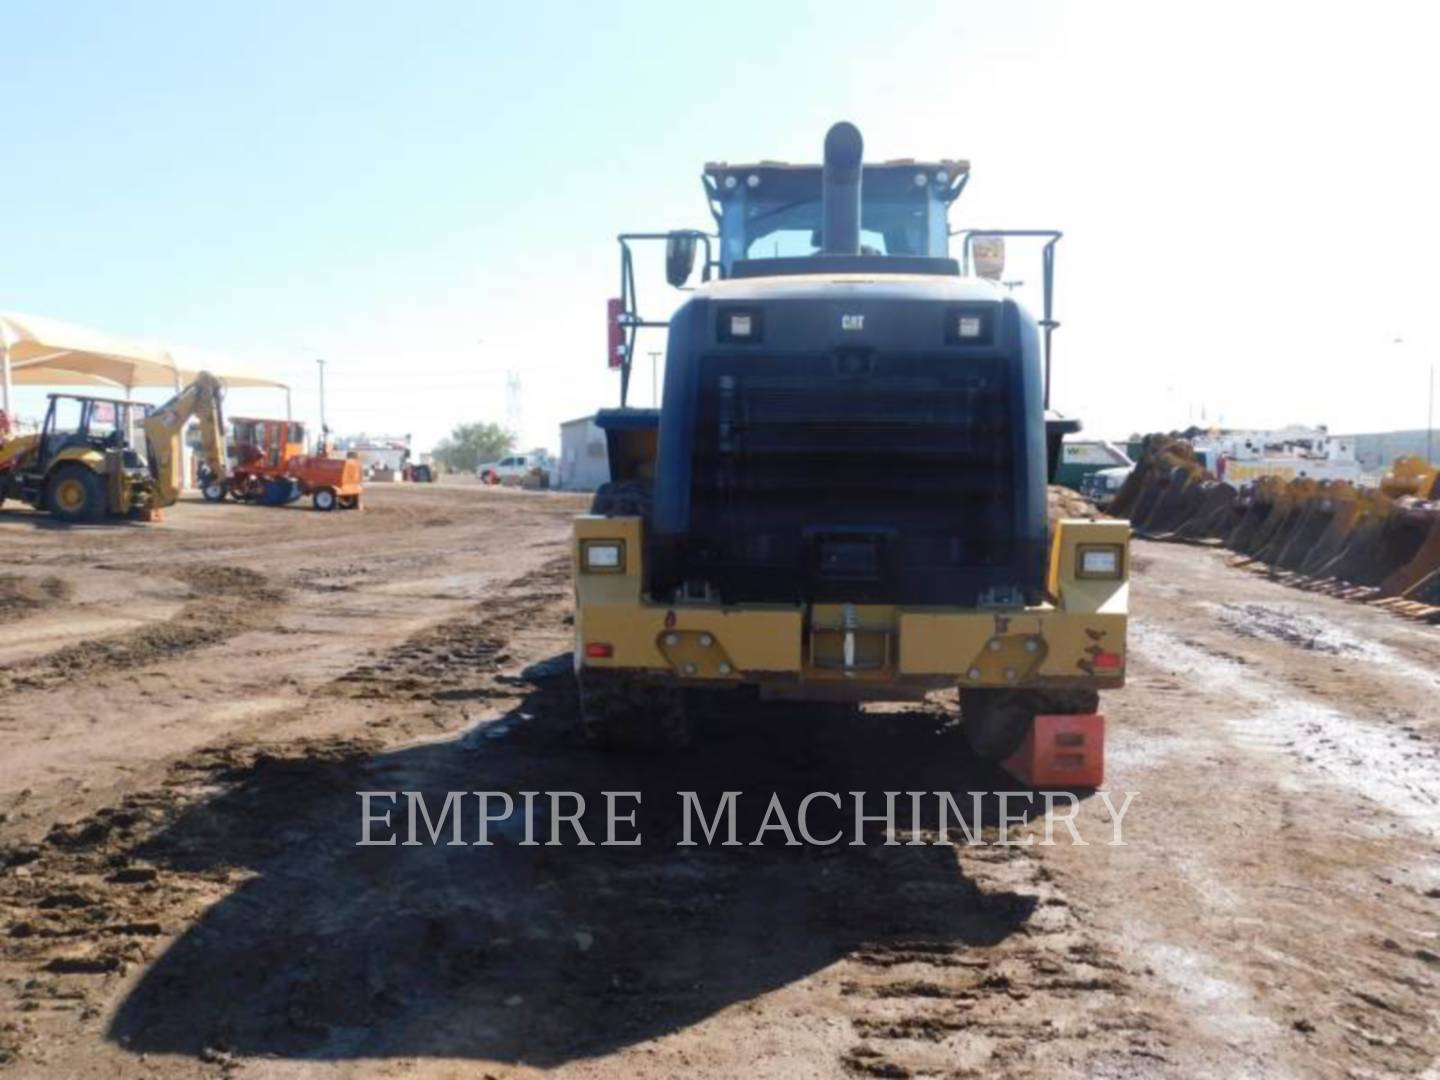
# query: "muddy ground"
189,709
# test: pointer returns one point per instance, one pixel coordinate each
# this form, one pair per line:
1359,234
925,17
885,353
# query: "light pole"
1430,417
324,428
1429,408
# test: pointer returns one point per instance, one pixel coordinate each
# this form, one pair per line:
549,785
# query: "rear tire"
996,721
624,498
213,491
618,712
75,494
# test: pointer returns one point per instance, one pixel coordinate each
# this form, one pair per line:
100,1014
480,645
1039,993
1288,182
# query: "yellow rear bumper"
1077,641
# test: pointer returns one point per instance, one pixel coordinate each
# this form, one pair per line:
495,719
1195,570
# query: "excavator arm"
165,429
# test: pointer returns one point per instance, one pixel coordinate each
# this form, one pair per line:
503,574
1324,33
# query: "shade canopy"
48,352
37,351
192,361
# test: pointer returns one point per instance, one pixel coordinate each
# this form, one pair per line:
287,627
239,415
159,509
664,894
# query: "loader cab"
775,211
265,444
79,423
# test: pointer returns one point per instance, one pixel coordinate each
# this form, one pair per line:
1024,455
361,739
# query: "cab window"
67,414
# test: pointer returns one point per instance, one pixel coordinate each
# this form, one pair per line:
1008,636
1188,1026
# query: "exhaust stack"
840,190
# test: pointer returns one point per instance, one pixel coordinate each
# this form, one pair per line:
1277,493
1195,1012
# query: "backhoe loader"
84,463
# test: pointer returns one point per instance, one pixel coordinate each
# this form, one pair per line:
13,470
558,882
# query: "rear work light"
1100,561
602,556
739,326
970,324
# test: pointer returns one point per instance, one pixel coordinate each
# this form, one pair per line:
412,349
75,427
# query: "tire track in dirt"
23,596
457,660
102,894
1046,999
227,601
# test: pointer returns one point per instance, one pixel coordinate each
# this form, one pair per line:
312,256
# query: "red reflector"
1107,660
600,649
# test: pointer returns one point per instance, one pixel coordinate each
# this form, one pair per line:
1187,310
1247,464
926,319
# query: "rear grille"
912,454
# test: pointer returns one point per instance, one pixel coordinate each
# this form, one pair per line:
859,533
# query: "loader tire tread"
995,722
624,498
620,712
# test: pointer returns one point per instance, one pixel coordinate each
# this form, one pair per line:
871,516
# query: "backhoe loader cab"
843,495
84,463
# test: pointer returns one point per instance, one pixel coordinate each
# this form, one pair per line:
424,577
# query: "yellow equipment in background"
86,460
165,427
1411,475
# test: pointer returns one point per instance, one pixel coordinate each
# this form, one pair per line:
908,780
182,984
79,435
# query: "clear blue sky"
427,194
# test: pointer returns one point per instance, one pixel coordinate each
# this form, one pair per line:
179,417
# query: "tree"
470,445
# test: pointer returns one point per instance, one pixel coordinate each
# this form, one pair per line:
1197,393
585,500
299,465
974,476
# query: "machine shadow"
41,521
548,954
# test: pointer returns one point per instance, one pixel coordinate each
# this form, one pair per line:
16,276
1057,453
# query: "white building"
377,451
584,461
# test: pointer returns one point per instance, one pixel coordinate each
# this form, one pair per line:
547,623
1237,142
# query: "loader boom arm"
165,429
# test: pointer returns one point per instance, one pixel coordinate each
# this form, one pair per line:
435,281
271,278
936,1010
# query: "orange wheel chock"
1061,752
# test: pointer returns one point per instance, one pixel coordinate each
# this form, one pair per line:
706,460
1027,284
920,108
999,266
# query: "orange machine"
268,464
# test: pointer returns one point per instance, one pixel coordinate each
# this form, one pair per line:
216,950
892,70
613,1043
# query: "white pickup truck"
517,470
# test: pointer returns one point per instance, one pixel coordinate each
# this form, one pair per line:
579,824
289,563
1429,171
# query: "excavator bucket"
1380,545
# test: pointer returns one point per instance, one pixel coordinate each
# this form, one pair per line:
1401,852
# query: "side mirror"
679,258
988,253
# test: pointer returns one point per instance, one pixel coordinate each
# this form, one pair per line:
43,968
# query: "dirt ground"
189,709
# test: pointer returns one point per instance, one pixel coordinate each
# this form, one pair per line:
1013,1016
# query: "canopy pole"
5,360
288,414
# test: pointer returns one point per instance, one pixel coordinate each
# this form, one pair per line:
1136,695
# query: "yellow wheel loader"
843,494
95,457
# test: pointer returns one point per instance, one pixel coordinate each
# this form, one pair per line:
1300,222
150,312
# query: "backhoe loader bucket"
1421,523
1311,521
1215,515
1380,545
1179,501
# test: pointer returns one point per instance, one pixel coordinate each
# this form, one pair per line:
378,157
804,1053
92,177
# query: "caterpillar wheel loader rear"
842,497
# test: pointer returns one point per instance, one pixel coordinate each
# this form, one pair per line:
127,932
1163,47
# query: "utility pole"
1430,419
654,380
513,415
1429,408
324,428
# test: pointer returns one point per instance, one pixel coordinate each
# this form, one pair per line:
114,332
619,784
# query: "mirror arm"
1047,257
629,303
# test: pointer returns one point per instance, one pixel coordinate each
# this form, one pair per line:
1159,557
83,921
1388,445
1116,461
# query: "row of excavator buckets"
1380,545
